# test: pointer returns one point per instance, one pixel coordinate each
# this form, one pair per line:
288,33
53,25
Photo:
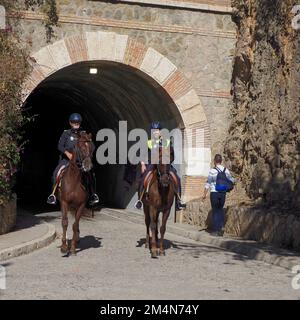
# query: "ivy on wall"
49,8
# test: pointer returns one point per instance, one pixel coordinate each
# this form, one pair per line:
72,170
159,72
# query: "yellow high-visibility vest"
150,143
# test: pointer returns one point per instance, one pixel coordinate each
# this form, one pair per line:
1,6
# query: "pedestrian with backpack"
219,182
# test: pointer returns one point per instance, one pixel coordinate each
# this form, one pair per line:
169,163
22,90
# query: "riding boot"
179,204
94,199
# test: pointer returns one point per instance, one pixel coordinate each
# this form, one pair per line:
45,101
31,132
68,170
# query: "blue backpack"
223,184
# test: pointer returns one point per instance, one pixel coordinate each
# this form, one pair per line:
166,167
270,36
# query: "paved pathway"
112,263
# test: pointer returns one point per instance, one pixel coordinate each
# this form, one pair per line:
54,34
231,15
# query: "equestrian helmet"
155,125
75,117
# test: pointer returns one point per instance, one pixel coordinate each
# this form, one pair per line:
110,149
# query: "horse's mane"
84,135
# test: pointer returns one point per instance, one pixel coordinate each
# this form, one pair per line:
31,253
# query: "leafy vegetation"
14,68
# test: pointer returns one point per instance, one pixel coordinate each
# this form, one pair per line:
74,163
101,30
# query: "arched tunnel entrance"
117,92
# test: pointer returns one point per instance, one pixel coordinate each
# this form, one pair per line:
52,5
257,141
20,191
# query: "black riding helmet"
75,117
155,125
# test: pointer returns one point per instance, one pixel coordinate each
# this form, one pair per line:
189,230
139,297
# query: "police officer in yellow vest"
155,143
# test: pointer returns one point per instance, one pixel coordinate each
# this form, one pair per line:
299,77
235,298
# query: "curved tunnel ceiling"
117,92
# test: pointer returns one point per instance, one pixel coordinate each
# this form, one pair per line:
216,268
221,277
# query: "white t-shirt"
212,177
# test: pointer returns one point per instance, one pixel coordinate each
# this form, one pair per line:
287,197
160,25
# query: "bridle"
80,159
161,174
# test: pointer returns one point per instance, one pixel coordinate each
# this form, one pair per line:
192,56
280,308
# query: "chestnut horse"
72,193
158,198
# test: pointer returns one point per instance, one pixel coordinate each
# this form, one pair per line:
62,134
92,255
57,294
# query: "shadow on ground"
195,250
85,243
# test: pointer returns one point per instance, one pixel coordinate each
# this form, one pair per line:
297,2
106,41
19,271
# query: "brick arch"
110,46
99,45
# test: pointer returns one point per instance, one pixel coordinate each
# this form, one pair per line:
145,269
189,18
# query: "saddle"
147,179
60,174
149,176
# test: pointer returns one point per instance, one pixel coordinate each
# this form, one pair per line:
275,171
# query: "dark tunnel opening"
116,93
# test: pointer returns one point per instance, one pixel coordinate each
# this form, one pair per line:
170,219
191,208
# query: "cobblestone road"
112,263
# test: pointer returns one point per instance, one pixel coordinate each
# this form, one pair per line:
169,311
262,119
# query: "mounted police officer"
66,145
154,144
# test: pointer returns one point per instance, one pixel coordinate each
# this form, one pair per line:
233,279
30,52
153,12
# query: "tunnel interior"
116,93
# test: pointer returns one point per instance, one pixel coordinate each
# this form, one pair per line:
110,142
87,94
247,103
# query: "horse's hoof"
154,254
162,253
64,249
73,253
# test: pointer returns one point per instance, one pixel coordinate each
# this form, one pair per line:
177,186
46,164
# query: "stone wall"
262,146
245,219
263,143
268,226
8,216
199,212
250,222
209,5
201,44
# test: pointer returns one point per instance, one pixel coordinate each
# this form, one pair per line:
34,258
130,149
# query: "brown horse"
72,193
158,198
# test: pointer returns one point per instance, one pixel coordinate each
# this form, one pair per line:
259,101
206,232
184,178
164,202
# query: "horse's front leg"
64,209
75,238
165,217
153,227
147,222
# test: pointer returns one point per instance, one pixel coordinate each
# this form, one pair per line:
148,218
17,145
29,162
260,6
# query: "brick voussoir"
177,85
135,53
77,48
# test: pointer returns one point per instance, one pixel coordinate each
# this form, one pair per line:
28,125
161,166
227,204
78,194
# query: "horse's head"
163,171
84,151
163,167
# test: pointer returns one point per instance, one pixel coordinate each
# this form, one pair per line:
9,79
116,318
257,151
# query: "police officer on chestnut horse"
66,145
154,144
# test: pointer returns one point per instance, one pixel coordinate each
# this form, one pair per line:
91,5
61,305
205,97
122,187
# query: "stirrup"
138,205
95,199
179,204
51,199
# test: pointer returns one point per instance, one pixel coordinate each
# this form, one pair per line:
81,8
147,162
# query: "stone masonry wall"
263,142
8,216
199,43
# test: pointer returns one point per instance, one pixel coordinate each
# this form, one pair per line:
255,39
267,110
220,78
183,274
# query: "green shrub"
14,68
